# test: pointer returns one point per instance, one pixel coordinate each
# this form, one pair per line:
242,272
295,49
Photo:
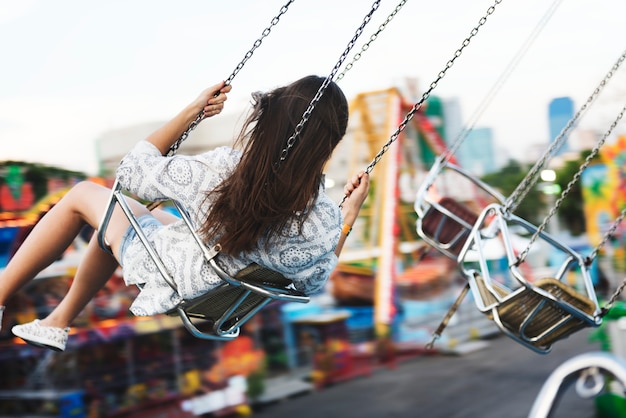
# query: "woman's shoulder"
223,155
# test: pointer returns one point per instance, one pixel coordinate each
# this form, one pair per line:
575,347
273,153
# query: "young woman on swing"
259,211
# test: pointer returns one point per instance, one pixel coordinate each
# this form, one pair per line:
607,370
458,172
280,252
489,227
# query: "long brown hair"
262,195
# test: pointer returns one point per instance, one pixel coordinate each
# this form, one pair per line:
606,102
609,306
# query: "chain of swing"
409,116
528,182
531,178
500,81
174,147
307,113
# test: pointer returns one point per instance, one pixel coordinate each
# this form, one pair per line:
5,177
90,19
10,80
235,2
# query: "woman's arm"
210,103
356,190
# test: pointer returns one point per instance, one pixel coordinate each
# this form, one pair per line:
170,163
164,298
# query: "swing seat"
536,313
226,307
446,226
445,223
540,314
235,301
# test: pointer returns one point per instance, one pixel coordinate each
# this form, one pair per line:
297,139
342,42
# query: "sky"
72,70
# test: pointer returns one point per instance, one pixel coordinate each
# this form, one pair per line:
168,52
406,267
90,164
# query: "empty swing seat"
534,313
226,307
540,314
446,225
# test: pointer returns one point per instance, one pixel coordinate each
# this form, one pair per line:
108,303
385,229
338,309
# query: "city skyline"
78,70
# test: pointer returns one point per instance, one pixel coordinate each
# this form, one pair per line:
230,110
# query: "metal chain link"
174,147
307,113
432,86
427,93
531,178
373,37
570,185
512,65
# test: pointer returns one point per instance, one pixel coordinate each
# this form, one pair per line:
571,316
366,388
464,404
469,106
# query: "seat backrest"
450,231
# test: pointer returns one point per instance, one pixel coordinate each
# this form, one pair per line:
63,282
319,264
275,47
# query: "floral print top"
306,257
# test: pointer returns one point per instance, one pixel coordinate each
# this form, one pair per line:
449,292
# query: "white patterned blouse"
307,257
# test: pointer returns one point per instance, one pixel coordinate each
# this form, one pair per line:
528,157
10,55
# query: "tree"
571,211
532,206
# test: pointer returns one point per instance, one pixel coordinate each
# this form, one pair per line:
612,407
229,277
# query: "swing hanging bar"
531,178
537,314
307,113
174,147
547,296
229,305
593,374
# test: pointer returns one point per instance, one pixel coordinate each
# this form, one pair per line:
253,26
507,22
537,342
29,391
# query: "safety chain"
374,36
307,113
174,147
570,185
444,322
512,65
427,93
531,178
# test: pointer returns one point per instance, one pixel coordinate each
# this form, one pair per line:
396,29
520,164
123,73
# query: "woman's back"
302,252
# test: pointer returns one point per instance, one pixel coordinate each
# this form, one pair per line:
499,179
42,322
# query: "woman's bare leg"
95,269
84,204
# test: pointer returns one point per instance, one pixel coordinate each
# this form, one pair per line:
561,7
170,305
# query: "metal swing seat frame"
228,306
538,312
241,296
445,223
535,313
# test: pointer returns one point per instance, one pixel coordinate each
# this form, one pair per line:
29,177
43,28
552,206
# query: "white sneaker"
42,336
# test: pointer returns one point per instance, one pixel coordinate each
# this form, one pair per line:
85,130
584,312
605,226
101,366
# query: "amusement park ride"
387,254
457,230
533,302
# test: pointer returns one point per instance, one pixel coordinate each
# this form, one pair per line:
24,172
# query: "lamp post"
551,190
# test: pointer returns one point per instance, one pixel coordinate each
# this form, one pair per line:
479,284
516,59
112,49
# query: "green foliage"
256,384
571,210
533,205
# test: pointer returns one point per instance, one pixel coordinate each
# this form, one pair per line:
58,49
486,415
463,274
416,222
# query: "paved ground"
499,381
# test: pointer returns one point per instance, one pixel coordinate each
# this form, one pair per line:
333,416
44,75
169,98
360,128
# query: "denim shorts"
130,235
